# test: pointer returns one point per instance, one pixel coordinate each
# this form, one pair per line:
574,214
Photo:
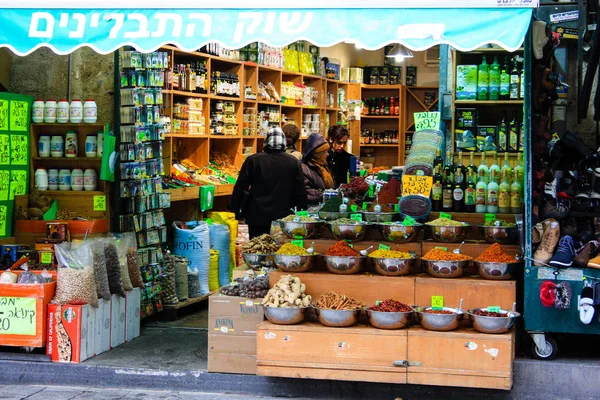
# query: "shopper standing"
269,185
317,176
338,158
292,134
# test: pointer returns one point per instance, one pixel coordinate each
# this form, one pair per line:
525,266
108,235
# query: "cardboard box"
102,327
466,118
117,321
70,332
466,82
232,354
486,137
133,304
239,316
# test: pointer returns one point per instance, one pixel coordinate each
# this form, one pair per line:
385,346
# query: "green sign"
302,213
46,258
356,217
383,247
490,217
4,149
3,115
298,242
3,220
4,184
408,221
427,120
441,248
100,203
437,302
495,309
371,191
207,197
17,316
19,116
354,208
365,205
445,215
209,221
396,208
18,183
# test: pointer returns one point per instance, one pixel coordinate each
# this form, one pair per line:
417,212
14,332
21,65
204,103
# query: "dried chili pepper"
390,305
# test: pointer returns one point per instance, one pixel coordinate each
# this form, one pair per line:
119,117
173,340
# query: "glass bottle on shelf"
481,194
397,106
438,161
494,93
506,169
514,81
483,171
448,190
382,106
522,82
520,171
492,194
471,169
504,193
483,80
372,106
392,106
495,169
437,188
516,194
505,81
470,193
386,108
503,134
513,134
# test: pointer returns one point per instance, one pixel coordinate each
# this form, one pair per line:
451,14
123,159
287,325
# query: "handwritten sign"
493,309
412,184
356,217
18,149
17,316
298,242
437,302
383,247
3,115
354,208
445,215
490,217
3,216
19,115
441,248
4,184
427,120
4,150
100,203
18,183
302,213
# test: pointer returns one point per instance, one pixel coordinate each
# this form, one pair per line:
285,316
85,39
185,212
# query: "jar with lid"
76,111
57,146
91,146
44,146
64,179
41,179
77,179
90,112
37,111
62,112
89,180
71,144
53,179
100,144
50,111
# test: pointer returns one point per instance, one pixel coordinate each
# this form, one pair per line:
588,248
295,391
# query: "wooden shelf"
387,87
225,136
489,102
393,145
67,125
186,94
488,50
379,116
224,98
82,193
91,159
186,136
291,105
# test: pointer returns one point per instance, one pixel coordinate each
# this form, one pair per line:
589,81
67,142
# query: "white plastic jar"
41,179
37,111
71,144
44,146
76,111
62,112
91,146
50,111
89,180
77,179
64,179
57,146
52,179
90,111
100,144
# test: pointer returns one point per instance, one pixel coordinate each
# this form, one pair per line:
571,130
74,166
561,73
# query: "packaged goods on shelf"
267,92
189,118
225,84
250,122
223,120
190,77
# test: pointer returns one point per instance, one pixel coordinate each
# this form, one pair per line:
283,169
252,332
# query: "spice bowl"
449,234
499,234
337,318
398,233
285,315
294,263
258,261
439,322
301,230
333,215
496,270
353,232
445,269
378,217
390,320
344,265
393,266
493,324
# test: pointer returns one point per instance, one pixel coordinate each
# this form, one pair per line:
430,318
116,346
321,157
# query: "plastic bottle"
516,193
50,111
64,179
504,193
77,179
504,81
483,80
482,171
52,179
495,80
90,111
76,111
492,195
57,146
44,146
62,112
91,146
89,180
481,195
37,111
71,144
41,179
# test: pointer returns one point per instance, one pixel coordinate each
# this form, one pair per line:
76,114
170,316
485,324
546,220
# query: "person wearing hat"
270,184
317,176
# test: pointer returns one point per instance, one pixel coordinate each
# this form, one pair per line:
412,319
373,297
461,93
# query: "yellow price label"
46,258
413,184
437,302
17,316
100,203
427,120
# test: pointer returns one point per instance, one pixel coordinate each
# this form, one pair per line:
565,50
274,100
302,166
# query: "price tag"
19,115
46,258
356,217
302,213
427,120
4,150
354,208
396,208
209,221
365,205
383,247
371,191
18,183
441,248
17,316
493,309
3,220
408,221
19,145
377,302
100,203
490,217
445,215
298,242
3,115
437,302
413,184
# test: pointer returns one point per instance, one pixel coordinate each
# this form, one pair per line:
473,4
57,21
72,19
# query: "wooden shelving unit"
416,102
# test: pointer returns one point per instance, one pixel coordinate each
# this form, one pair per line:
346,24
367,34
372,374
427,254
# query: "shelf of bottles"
141,166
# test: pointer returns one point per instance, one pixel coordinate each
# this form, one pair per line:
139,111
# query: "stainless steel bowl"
440,322
304,230
493,324
499,234
445,269
497,271
258,261
390,320
292,263
333,215
449,234
285,316
380,217
344,265
337,318
399,233
353,232
394,266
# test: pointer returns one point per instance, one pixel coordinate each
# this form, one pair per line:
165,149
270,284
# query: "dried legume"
291,217
390,305
133,265
100,275
113,269
483,313
345,221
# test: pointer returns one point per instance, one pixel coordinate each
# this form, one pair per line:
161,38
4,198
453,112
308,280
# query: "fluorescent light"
400,51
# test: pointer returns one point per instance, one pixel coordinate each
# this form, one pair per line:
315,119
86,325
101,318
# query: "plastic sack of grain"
219,240
113,266
75,283
167,282
213,272
100,274
229,219
193,284
124,242
181,276
193,243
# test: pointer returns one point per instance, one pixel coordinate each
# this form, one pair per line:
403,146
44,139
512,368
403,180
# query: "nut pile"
291,217
167,283
252,288
288,292
263,244
445,222
345,221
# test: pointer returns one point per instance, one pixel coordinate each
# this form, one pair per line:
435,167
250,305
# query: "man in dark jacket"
269,185
338,158
317,176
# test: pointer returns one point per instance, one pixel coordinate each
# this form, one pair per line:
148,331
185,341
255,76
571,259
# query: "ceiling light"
400,51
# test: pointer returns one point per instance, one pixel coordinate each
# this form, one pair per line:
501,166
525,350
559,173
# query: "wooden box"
117,321
102,327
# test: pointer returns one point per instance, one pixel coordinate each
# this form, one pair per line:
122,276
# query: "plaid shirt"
275,140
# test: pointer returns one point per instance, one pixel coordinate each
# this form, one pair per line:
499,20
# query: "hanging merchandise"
192,241
220,240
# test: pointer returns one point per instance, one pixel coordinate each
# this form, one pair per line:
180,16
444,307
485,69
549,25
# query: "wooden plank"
482,382
331,374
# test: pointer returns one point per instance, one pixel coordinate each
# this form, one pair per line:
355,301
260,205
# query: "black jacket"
274,180
313,183
339,165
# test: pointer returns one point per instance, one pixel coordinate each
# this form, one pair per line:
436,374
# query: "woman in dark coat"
317,176
269,186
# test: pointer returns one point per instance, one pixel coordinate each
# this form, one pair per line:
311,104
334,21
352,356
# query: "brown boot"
550,238
538,230
589,251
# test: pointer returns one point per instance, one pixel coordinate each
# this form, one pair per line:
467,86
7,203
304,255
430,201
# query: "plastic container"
415,206
76,111
77,179
44,146
71,144
100,145
50,111
52,179
64,179
91,146
57,146
41,179
62,112
90,112
90,180
37,111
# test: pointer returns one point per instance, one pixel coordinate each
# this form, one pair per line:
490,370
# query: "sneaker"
594,262
585,230
550,237
580,207
589,251
551,188
551,210
538,229
565,254
584,191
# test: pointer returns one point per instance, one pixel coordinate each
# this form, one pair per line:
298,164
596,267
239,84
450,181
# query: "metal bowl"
499,234
285,316
449,234
445,269
344,265
333,215
380,216
493,324
303,230
440,322
390,320
353,232
337,318
497,271
258,261
394,266
399,233
292,263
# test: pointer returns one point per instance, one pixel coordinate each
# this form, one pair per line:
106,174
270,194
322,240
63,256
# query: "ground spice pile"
342,249
442,255
495,253
292,250
390,192
390,254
